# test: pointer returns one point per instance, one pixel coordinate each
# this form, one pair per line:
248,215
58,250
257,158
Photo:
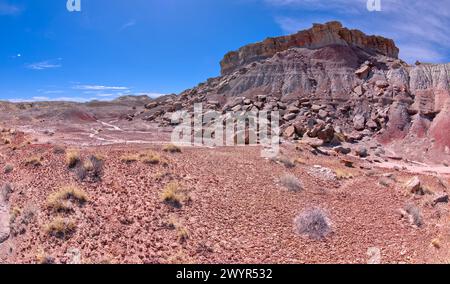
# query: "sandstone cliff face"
318,36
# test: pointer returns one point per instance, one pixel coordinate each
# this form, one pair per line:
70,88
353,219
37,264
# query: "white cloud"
43,65
99,88
419,28
9,9
128,24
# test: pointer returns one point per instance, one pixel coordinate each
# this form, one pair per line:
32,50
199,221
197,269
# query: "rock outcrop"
329,77
318,36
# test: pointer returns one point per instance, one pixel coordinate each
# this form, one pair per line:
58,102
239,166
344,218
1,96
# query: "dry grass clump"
34,161
129,158
8,168
343,174
174,224
58,200
92,167
415,215
288,163
313,223
72,158
171,148
291,183
43,258
59,150
436,243
173,194
60,227
5,192
150,157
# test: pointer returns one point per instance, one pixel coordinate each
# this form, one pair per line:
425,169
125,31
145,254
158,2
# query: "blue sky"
118,47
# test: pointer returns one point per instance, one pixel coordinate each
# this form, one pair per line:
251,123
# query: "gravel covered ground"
233,208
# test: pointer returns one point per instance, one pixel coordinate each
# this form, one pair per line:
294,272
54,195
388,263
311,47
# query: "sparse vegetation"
8,168
14,213
34,161
5,191
60,227
313,223
59,150
129,158
94,165
288,163
58,201
150,157
173,195
183,234
342,174
291,183
72,158
43,258
414,214
171,148
436,243
174,224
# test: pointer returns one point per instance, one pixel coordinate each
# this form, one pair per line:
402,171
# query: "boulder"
289,132
414,186
359,122
361,152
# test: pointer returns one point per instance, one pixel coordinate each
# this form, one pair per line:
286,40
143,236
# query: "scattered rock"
414,186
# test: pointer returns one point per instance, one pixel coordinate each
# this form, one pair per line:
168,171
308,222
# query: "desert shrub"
60,227
129,158
42,258
59,150
343,174
415,214
34,161
291,183
5,191
150,157
183,234
8,168
313,223
94,165
171,148
288,163
173,195
80,173
58,200
72,158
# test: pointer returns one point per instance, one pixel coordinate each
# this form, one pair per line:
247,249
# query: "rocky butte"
327,82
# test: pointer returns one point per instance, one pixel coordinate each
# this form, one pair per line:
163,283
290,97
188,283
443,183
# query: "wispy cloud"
43,65
99,88
9,9
420,28
127,25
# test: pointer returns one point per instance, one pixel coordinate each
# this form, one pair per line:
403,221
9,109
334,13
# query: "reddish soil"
237,211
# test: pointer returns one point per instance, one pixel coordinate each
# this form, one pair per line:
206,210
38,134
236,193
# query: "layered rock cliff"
318,36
